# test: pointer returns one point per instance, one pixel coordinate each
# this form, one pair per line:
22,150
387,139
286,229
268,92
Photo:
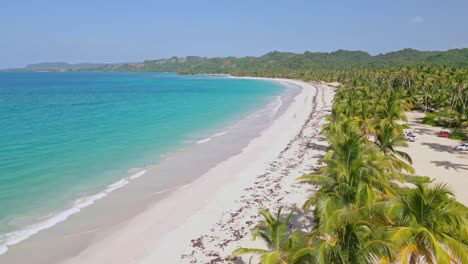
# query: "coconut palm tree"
360,215
350,161
429,225
280,241
388,142
390,113
352,234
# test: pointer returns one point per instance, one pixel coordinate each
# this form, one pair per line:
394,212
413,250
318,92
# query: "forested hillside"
286,62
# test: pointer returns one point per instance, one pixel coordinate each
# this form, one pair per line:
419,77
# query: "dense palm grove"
441,91
369,206
276,62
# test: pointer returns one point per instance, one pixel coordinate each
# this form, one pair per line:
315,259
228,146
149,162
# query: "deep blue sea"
64,136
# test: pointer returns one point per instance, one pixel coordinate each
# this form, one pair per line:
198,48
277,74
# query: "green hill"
272,62
341,59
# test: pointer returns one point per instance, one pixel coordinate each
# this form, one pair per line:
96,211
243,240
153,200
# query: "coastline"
82,158
162,231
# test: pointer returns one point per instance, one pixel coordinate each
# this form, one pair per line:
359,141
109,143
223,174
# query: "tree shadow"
450,165
422,130
321,139
316,146
440,147
318,156
239,260
300,220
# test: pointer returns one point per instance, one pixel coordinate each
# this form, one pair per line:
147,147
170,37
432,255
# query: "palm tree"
350,161
387,141
275,232
360,215
352,234
390,113
429,226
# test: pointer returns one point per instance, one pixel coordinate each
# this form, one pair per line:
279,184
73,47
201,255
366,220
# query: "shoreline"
163,232
270,188
23,226
33,246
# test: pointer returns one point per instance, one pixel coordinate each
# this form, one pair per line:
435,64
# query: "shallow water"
69,139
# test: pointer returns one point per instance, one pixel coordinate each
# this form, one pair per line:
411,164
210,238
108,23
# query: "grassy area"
458,134
430,119
433,119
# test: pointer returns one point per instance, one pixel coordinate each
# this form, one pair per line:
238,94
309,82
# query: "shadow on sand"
422,130
299,220
316,146
441,147
450,165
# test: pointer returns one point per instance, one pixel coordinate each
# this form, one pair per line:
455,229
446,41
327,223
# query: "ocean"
68,139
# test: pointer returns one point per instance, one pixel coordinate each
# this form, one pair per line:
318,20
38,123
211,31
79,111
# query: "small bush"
430,119
458,134
438,119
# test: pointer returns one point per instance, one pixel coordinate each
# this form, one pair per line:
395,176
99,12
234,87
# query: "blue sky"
124,31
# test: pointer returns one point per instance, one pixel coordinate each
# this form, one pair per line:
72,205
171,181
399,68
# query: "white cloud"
416,20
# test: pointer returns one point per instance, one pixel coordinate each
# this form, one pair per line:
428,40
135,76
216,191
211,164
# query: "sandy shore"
206,220
435,157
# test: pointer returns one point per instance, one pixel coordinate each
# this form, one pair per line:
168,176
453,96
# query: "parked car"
463,146
443,133
409,133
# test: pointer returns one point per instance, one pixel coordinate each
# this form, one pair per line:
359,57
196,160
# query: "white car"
463,146
409,135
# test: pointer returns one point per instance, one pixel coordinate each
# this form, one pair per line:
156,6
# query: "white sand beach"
436,158
203,222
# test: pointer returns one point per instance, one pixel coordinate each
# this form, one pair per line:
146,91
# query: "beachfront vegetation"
431,81
439,91
369,206
276,64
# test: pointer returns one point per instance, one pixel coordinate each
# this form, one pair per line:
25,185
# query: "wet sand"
139,225
205,220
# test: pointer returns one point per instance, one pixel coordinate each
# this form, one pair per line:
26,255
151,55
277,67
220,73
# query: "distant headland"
341,59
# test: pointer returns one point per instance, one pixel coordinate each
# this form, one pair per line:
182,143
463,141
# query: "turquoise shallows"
68,135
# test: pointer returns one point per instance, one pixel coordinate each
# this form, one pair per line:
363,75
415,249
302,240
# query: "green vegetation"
440,91
362,211
438,119
276,233
277,64
436,81
458,134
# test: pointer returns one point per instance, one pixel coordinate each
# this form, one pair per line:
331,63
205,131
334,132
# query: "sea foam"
203,140
210,138
220,134
15,237
277,104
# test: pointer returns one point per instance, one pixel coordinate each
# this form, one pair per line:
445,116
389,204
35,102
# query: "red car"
443,134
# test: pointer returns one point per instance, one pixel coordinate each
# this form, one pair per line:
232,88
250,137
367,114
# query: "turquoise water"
69,135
